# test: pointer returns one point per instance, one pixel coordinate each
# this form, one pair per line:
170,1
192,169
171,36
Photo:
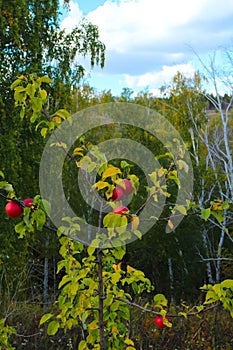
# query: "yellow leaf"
129,342
170,224
129,269
93,325
100,185
182,165
111,171
114,330
117,267
161,171
57,120
78,151
135,222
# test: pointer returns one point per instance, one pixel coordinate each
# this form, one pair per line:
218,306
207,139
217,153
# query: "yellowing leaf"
111,171
100,185
78,151
62,113
161,172
129,269
82,345
135,222
129,342
43,94
114,330
116,267
57,120
170,224
44,132
93,325
181,209
182,165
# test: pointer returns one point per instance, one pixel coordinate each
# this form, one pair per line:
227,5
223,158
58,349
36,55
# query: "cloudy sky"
148,41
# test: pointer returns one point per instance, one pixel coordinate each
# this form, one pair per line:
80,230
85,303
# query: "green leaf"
43,94
73,288
183,314
45,318
64,280
211,297
115,277
19,89
53,327
129,342
44,132
15,83
138,234
119,252
30,90
62,113
218,216
36,104
160,300
39,216
6,186
181,209
227,284
91,250
44,79
205,213
82,345
21,228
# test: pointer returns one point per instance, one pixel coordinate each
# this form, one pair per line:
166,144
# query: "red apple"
117,194
28,202
127,186
121,210
13,209
159,321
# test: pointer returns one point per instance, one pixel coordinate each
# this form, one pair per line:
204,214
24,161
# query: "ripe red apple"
159,321
117,194
28,202
13,209
121,210
127,186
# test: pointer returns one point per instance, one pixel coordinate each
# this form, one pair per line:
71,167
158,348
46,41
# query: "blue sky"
148,41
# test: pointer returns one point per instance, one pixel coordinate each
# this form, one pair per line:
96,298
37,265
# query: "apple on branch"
127,186
28,202
122,210
159,321
118,193
13,209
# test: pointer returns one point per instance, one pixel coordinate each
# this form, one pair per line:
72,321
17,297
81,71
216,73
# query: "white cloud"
142,24
155,79
74,17
149,40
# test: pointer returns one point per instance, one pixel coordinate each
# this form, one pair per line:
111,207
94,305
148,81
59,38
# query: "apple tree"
97,291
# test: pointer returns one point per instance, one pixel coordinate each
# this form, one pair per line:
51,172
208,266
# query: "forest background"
198,252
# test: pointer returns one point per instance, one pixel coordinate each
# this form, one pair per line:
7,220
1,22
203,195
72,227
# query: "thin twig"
193,313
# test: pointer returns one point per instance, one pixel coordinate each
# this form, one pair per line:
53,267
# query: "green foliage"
78,301
5,332
220,292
